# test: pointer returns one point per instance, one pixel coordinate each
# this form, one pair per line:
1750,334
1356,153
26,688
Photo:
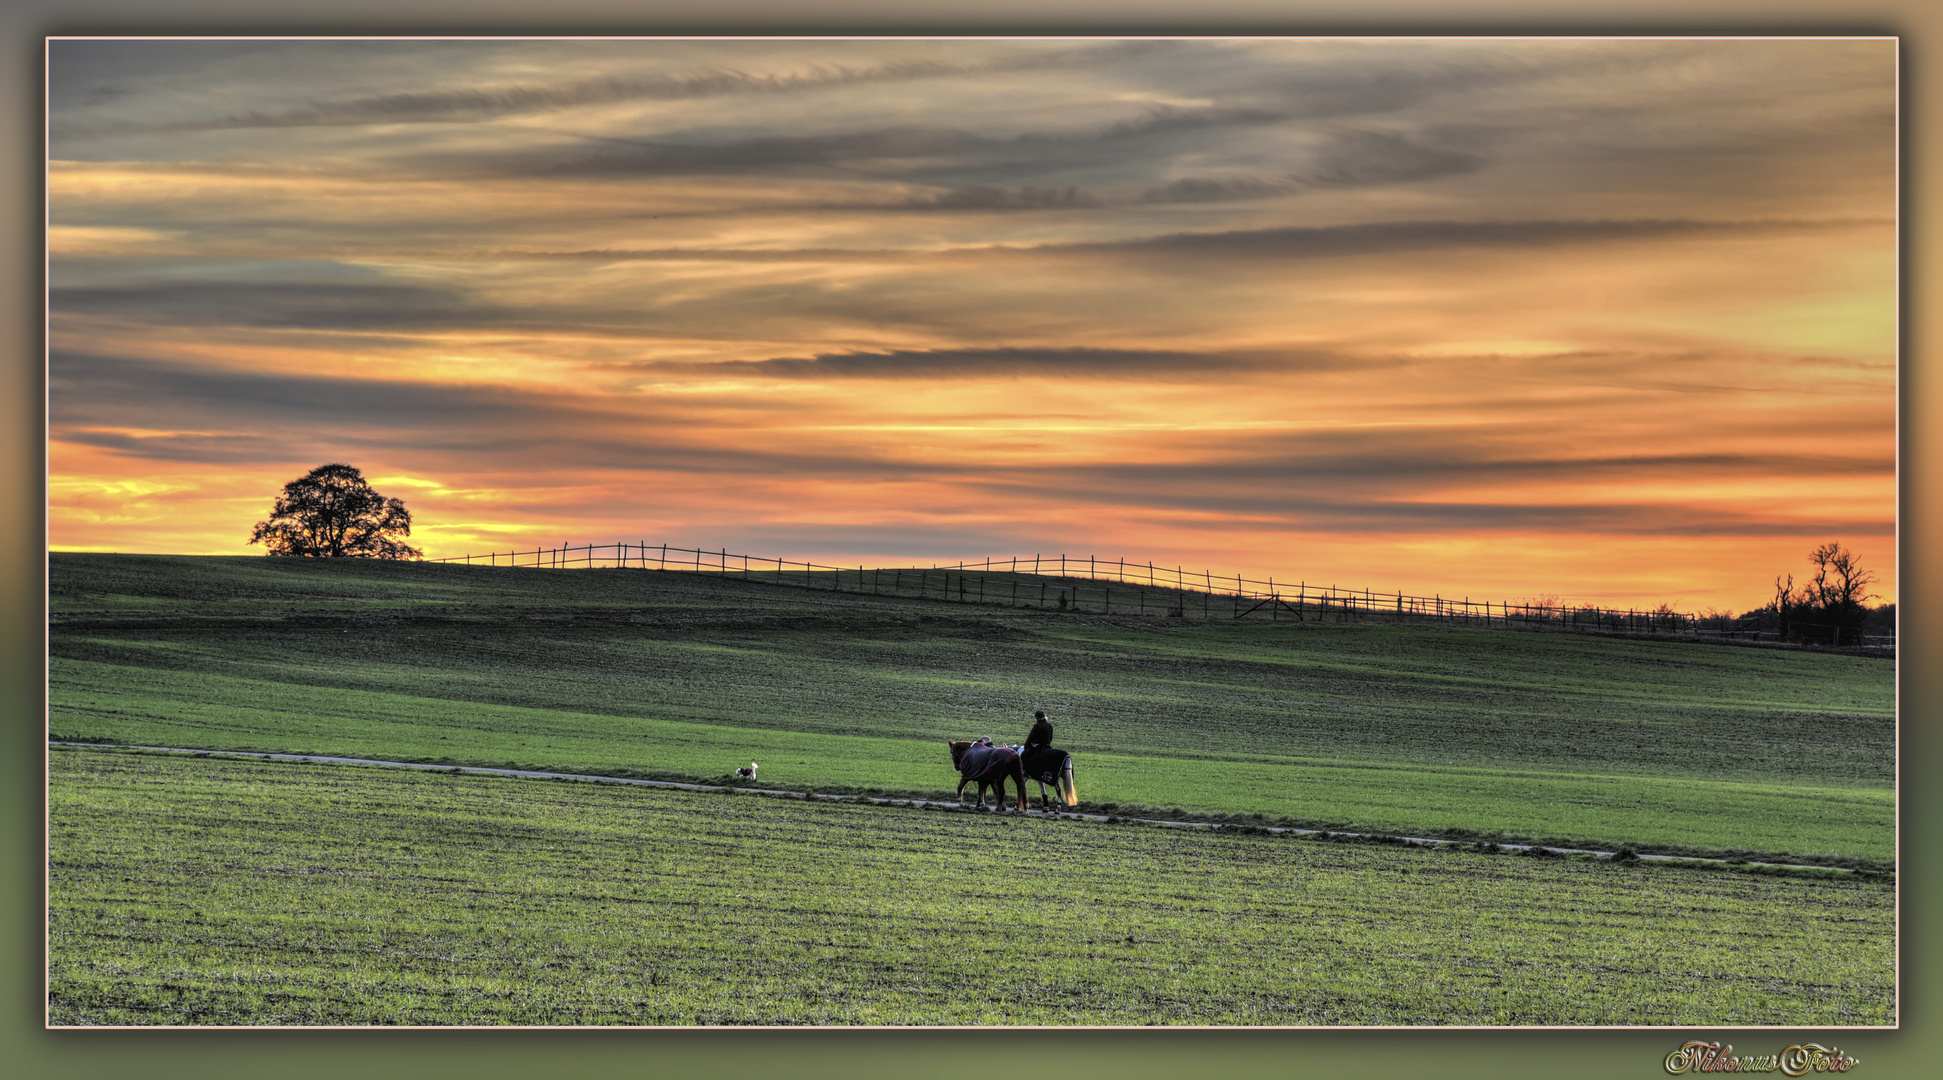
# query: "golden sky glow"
1608,320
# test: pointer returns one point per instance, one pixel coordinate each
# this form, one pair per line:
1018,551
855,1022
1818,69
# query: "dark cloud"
1226,502
909,151
224,416
193,448
1200,189
91,391
1167,120
337,308
1397,480
479,103
1352,159
1386,238
1320,242
331,306
630,157
1366,158
1424,518
997,198
1399,461
461,104
1000,362
928,543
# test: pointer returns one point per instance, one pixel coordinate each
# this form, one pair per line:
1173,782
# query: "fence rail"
1119,586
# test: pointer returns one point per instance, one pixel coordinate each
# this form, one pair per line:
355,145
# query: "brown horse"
988,767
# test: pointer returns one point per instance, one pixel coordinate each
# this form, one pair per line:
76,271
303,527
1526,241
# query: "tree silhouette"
1831,602
332,512
1785,605
1843,590
1838,589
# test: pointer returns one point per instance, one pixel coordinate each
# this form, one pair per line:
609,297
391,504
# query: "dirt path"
875,800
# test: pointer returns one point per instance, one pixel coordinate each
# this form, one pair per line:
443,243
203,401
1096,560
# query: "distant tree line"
333,512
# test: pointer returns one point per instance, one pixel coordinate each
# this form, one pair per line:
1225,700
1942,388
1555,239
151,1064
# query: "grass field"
1429,730
214,891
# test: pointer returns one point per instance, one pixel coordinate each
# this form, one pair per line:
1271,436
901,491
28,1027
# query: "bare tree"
332,512
1832,600
1785,604
1839,577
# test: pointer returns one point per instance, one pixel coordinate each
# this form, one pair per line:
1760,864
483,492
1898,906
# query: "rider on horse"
1041,731
1047,764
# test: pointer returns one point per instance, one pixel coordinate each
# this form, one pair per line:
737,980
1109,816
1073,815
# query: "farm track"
1271,830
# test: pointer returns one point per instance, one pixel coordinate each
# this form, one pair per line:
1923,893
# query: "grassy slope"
1409,728
191,891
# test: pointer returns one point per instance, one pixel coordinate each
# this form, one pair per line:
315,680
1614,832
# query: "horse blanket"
1044,764
987,764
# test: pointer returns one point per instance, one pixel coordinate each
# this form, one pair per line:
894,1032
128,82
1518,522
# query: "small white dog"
748,773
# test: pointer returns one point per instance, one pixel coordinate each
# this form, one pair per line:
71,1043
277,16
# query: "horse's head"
958,748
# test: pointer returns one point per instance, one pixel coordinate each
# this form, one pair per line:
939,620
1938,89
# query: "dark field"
212,891
1425,729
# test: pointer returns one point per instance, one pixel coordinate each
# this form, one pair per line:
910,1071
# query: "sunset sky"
1611,320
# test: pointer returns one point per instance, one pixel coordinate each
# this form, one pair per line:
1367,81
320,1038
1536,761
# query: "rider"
1041,731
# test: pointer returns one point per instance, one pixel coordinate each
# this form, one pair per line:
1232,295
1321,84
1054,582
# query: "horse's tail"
1067,788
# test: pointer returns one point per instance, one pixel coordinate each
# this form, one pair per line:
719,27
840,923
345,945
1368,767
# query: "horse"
989,767
1050,766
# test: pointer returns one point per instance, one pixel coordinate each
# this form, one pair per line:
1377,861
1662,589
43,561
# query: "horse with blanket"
988,766
1048,765
991,766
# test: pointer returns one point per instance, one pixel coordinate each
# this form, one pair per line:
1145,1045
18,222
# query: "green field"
1427,730
221,891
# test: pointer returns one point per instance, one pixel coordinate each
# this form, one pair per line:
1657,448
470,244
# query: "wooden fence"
1120,587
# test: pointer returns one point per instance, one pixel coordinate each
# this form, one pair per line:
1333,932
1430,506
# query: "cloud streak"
473,104
1005,363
